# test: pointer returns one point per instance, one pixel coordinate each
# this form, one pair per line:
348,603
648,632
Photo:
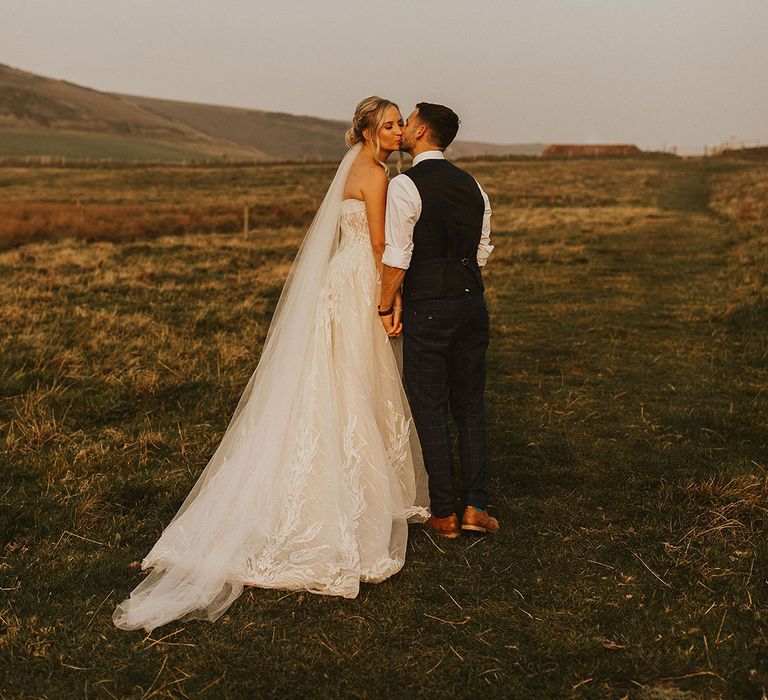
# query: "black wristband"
387,312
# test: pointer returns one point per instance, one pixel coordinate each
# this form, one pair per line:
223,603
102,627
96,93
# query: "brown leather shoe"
445,527
479,521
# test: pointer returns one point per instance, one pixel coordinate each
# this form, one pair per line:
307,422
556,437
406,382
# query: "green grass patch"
20,144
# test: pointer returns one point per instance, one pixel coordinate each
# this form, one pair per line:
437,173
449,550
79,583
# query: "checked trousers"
444,345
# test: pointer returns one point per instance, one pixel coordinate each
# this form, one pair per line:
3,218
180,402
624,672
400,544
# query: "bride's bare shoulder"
365,175
375,180
367,167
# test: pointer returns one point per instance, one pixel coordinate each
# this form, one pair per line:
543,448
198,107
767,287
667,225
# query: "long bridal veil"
192,564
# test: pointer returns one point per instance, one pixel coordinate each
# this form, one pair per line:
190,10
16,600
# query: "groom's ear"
416,127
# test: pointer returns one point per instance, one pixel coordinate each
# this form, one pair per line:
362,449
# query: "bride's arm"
374,190
375,195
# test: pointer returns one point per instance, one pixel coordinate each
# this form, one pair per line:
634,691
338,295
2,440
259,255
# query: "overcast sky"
650,72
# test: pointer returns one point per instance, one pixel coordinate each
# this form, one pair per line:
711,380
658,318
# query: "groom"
437,239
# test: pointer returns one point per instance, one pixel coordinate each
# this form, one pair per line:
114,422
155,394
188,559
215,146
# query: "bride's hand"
397,323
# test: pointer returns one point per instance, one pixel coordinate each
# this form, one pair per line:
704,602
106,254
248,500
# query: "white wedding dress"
320,469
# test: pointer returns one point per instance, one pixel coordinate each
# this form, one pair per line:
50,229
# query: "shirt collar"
428,155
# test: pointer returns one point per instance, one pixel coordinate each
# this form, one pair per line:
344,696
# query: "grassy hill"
44,116
281,136
31,104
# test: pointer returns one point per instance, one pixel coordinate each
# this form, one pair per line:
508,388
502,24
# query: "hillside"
31,104
281,136
43,116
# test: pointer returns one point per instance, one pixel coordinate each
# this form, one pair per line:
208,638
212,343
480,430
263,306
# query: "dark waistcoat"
446,236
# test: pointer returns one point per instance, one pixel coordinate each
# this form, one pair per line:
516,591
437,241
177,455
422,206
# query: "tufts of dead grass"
741,196
732,510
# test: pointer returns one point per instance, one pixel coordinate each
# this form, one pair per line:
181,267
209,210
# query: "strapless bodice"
354,224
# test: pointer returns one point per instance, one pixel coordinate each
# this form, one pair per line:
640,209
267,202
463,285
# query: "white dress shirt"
404,210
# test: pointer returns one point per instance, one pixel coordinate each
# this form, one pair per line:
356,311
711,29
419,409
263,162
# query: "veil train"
232,511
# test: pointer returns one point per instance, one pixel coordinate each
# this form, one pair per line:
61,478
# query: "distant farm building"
735,148
733,144
755,153
566,150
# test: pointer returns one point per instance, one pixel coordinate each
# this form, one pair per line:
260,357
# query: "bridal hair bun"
351,137
369,114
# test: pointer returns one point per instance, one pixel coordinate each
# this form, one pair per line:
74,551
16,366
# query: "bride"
319,470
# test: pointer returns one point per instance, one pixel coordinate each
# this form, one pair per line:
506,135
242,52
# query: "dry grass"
742,196
627,399
22,223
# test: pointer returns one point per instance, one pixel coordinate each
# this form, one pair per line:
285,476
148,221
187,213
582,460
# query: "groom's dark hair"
442,122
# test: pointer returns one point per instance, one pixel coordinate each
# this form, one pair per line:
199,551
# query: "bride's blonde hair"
369,114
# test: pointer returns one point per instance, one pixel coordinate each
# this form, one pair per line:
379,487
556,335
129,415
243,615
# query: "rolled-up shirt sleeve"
484,248
403,211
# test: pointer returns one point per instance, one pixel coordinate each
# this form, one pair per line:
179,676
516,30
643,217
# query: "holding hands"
391,318
391,306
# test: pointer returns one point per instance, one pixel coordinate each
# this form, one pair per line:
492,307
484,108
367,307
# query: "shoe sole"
477,528
447,535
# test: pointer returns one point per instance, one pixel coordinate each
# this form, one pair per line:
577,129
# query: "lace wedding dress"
320,469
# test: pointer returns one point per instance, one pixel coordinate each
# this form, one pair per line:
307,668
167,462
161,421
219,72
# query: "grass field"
628,422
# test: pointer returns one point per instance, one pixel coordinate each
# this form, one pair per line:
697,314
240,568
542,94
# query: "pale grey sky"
651,72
